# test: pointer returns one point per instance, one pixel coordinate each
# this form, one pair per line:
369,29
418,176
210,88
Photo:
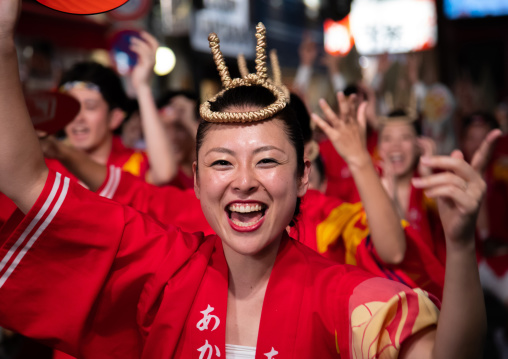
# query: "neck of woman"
250,273
404,180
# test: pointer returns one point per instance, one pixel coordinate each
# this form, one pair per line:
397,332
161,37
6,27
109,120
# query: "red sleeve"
72,270
420,267
169,205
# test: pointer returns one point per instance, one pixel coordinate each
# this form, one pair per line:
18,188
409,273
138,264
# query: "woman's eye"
266,161
221,163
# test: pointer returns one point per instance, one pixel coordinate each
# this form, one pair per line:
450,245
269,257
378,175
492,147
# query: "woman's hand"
346,130
428,148
9,13
145,48
458,190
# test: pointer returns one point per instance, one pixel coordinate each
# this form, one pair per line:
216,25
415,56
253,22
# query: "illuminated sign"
229,19
393,26
338,39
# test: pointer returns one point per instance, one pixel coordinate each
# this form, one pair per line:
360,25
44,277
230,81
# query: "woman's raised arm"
23,172
346,130
458,191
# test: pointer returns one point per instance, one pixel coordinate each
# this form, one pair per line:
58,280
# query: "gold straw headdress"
411,113
260,78
276,73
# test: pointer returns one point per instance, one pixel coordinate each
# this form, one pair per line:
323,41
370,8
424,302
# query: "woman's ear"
116,117
304,180
196,182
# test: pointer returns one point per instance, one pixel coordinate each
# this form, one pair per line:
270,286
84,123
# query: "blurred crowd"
409,113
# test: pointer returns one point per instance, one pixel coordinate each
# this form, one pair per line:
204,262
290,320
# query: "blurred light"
312,4
338,39
28,51
364,62
393,26
101,56
165,61
122,62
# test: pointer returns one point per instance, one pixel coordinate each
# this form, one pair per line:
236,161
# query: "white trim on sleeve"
32,225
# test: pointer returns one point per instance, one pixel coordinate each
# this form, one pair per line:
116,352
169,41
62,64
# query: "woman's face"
246,180
398,147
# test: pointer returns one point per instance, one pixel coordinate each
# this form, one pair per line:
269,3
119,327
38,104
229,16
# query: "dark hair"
260,97
302,115
479,117
354,89
401,113
105,78
164,99
320,167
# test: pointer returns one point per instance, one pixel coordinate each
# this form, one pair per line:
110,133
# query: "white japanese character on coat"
203,323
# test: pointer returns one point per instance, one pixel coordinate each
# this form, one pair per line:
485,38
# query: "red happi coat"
339,231
340,181
100,280
423,217
130,160
336,229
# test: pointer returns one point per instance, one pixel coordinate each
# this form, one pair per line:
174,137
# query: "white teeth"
396,157
245,208
249,224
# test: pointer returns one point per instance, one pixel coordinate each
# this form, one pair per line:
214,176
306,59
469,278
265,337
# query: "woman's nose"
245,180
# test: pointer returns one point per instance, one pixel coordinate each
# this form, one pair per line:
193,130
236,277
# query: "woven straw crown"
260,78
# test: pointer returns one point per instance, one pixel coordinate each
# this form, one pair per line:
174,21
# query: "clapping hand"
458,190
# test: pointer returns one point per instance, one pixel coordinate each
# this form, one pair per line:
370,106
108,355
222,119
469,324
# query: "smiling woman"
105,281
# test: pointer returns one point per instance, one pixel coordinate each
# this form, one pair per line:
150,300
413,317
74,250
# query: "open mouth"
80,132
396,158
246,215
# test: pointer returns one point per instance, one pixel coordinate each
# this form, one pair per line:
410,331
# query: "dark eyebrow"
232,153
221,150
267,148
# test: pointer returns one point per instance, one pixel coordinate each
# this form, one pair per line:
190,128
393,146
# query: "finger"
140,48
41,134
362,118
150,39
144,52
482,156
454,194
352,107
440,179
322,124
139,43
328,112
457,154
343,105
449,163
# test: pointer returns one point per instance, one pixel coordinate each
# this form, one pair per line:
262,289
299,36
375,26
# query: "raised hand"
346,129
145,48
428,148
458,191
307,50
9,13
347,132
